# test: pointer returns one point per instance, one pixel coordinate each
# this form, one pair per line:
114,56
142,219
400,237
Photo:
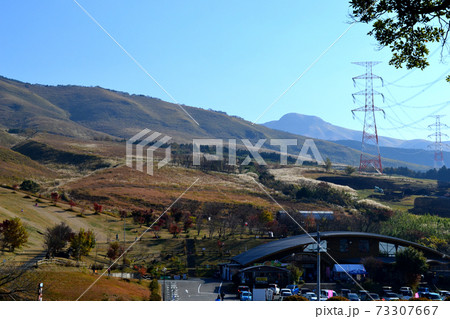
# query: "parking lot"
195,289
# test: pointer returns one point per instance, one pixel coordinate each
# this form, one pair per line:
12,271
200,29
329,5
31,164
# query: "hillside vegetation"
97,113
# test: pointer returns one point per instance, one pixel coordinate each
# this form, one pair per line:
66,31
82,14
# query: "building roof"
264,268
292,244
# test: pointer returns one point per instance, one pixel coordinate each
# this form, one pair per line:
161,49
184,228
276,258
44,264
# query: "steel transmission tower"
370,152
438,146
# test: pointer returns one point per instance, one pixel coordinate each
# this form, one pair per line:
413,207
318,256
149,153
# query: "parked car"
432,296
345,292
310,296
294,289
304,291
362,293
353,297
324,293
406,293
241,289
444,293
275,289
285,292
405,289
421,290
390,296
246,296
370,297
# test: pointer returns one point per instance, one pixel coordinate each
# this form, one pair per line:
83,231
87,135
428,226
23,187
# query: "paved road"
194,289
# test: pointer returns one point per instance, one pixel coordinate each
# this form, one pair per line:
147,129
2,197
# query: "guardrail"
61,261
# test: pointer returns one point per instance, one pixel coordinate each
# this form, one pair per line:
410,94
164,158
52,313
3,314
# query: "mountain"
97,113
419,156
314,126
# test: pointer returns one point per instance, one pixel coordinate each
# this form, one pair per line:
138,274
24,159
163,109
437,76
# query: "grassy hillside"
7,140
20,108
15,167
64,285
94,112
48,155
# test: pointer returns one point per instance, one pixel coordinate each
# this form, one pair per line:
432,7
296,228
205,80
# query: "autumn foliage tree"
174,229
55,197
187,222
82,243
98,208
115,250
72,204
12,234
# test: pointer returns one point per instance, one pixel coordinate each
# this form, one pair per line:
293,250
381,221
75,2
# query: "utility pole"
318,262
369,158
318,216
438,146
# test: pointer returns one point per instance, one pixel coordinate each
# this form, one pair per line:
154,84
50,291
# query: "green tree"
30,186
411,264
439,244
295,273
56,238
406,27
328,164
82,243
13,234
265,217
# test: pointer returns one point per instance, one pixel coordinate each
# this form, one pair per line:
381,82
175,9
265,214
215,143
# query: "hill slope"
94,112
419,156
314,126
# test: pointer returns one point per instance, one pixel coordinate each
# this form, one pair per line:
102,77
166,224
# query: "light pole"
318,216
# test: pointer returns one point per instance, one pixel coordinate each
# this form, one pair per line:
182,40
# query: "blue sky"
233,56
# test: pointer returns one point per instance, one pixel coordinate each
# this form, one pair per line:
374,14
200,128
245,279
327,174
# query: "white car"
325,292
311,296
285,292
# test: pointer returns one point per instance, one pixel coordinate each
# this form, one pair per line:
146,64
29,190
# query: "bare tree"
17,282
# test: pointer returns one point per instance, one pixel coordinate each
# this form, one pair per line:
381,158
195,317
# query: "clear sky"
233,56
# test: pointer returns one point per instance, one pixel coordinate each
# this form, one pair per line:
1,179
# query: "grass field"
61,284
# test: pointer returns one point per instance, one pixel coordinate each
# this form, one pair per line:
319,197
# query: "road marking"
220,286
199,289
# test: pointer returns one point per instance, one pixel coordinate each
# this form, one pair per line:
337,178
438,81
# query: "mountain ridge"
95,112
314,126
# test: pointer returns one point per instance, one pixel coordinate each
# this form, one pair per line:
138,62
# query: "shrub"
295,298
337,298
155,297
30,186
154,285
349,170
